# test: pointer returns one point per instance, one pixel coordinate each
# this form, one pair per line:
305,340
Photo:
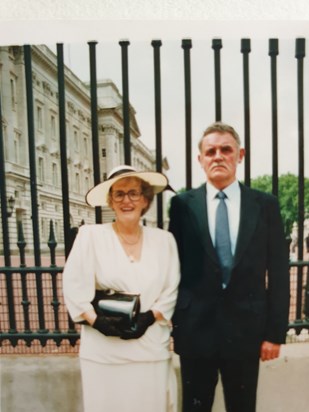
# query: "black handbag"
110,303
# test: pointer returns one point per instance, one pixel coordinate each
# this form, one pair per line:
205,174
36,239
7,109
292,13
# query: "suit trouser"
200,377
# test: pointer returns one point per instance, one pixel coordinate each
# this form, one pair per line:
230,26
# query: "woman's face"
127,199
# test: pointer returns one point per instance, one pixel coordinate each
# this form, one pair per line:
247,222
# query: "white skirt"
130,387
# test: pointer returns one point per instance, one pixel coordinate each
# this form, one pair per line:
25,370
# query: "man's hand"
269,351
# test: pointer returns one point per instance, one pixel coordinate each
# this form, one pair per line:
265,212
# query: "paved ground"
52,383
283,383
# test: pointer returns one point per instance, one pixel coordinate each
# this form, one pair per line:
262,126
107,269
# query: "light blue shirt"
233,209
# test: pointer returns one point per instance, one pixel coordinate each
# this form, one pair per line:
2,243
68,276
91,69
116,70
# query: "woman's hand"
108,326
89,317
144,320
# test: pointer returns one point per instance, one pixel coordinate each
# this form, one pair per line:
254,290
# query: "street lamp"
10,206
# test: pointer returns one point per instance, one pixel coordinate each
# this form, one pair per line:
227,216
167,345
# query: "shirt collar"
231,191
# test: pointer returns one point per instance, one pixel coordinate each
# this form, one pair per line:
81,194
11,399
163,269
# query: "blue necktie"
222,239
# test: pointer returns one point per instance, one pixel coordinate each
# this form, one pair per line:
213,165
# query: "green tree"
288,196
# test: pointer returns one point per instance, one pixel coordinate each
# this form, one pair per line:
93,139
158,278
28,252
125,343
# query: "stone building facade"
79,146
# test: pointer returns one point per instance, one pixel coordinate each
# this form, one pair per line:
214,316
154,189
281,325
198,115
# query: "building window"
103,152
39,117
41,169
77,182
53,127
5,135
69,145
57,230
44,228
87,185
85,145
76,141
55,174
13,93
104,177
19,215
17,143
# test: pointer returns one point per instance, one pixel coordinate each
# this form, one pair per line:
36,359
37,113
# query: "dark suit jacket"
255,305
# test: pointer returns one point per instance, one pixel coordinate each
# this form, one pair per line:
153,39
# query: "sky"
141,92
75,35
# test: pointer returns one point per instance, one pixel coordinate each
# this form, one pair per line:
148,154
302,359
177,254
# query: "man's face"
219,157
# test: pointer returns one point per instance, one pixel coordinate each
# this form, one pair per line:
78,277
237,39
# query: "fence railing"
32,307
299,306
31,302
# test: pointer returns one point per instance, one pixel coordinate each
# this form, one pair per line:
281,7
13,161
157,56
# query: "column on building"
111,154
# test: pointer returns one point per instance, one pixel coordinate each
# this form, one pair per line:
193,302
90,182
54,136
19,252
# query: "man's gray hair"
220,128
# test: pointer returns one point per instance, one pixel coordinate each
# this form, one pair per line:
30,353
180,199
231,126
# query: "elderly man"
233,301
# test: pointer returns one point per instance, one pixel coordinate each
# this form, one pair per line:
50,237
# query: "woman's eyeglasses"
119,195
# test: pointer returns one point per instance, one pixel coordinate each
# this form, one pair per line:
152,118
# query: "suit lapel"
249,213
198,207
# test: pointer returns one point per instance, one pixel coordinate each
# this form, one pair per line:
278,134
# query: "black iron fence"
31,304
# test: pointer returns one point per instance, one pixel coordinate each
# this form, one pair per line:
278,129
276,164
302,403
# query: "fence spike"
21,243
300,50
273,47
52,243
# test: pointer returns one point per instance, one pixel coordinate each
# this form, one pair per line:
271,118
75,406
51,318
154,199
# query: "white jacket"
98,261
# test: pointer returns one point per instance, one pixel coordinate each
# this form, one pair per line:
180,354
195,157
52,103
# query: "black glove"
144,320
108,326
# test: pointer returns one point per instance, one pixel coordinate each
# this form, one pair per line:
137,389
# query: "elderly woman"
123,370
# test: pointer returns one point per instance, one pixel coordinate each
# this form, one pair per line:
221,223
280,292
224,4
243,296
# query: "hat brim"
97,196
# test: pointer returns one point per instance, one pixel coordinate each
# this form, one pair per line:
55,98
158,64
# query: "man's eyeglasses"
119,195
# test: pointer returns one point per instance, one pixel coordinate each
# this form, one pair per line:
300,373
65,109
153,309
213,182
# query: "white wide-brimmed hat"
97,196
